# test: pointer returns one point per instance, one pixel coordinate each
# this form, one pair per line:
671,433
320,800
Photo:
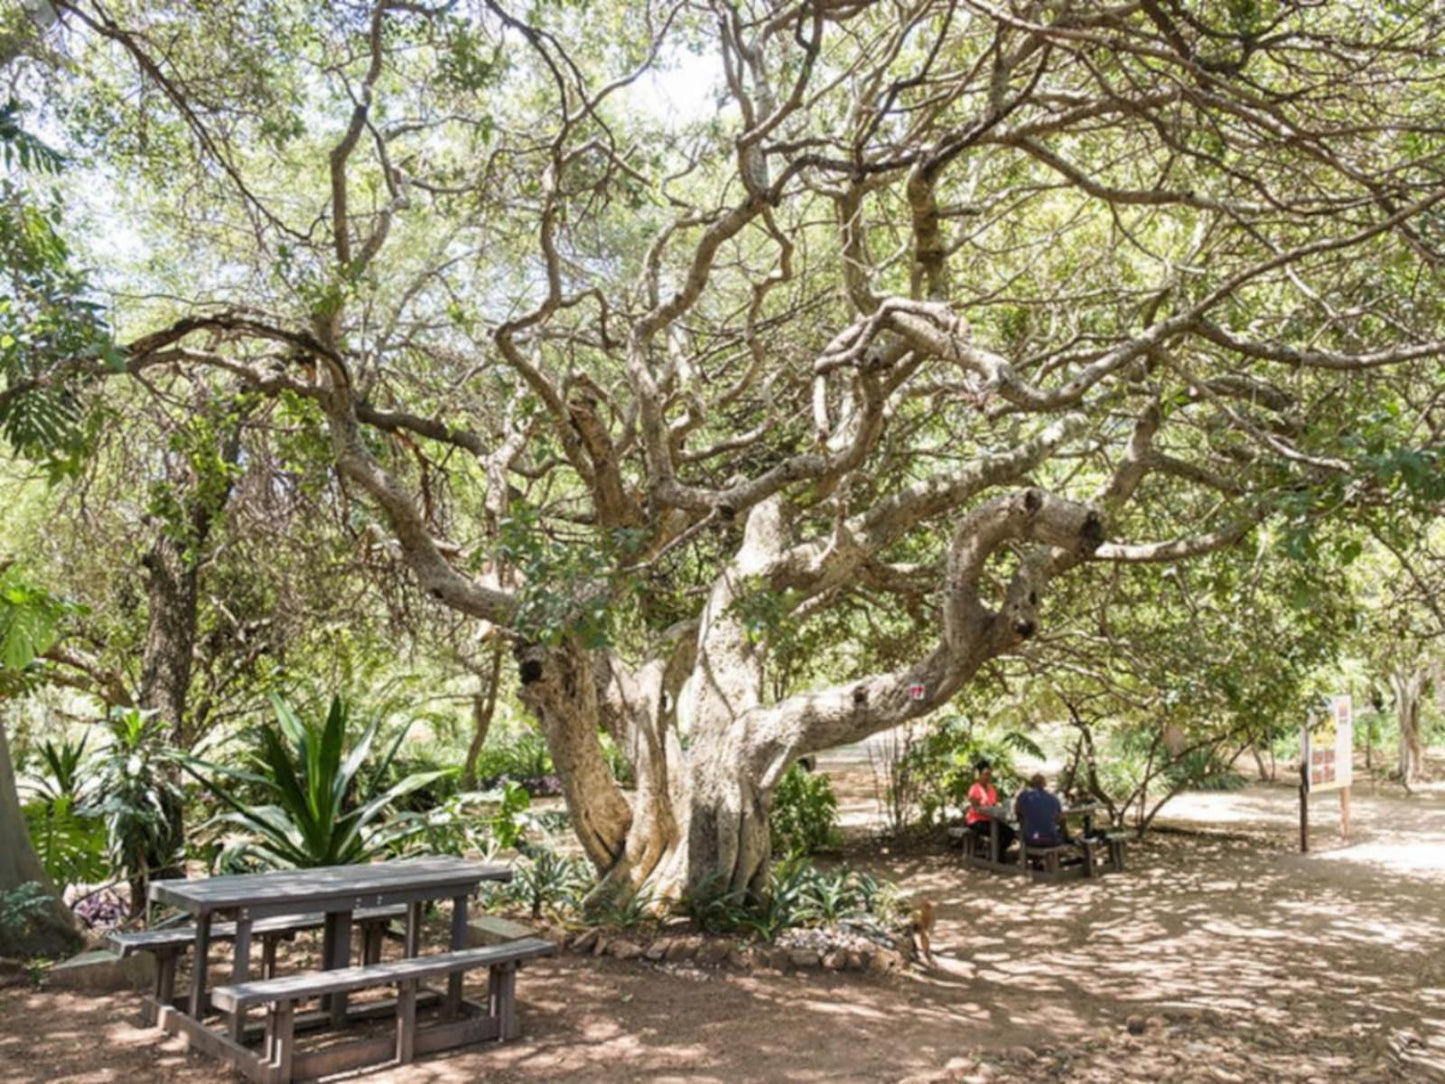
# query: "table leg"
336,953
459,941
241,971
405,1022
993,855
413,930
198,966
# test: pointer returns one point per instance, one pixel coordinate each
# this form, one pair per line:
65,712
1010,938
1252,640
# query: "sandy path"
1242,961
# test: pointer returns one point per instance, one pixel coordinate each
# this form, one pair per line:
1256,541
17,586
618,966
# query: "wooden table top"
302,890
1006,812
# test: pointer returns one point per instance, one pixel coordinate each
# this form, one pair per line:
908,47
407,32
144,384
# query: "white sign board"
1328,747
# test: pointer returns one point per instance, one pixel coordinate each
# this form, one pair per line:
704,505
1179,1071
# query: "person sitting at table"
1040,815
982,794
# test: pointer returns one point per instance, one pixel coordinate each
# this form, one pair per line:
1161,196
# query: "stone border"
711,951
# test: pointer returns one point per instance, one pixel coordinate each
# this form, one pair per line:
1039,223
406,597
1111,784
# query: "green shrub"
69,839
66,774
70,844
325,809
545,880
804,817
19,907
798,895
931,772
1204,769
138,798
625,912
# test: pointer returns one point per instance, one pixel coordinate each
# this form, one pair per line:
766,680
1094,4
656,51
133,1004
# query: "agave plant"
325,808
66,775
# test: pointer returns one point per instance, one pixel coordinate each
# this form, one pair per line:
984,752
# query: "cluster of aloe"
321,804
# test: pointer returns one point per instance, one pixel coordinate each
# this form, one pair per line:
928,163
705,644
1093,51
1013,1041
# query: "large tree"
935,302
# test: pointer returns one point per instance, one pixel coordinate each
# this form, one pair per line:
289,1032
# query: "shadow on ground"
1237,959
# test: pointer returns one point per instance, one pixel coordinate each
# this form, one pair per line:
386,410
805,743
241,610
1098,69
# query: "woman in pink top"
982,794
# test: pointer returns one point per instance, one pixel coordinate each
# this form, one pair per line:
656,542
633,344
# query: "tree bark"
173,567
484,708
1409,691
53,932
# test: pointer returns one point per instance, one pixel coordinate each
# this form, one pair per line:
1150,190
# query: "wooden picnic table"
335,891
1004,814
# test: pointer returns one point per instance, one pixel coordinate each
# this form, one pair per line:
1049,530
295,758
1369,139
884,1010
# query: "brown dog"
920,921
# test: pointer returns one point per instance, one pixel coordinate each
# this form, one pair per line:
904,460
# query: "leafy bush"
19,907
804,817
100,910
798,895
927,773
1204,769
546,880
325,807
66,774
521,757
625,912
139,799
70,844
69,839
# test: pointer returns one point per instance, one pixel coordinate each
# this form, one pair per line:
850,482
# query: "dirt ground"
1232,957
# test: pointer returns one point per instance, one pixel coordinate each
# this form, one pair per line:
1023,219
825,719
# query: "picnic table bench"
169,943
274,905
1044,863
279,1061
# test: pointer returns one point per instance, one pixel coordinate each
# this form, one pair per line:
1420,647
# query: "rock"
1155,1023
104,972
740,958
584,941
658,949
805,958
1023,1054
491,930
713,952
683,948
780,959
624,950
1136,1024
836,960
885,960
601,945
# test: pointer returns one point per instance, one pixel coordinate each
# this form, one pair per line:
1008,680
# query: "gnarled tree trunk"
698,822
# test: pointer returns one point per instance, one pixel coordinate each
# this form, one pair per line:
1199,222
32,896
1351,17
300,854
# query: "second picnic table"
1005,814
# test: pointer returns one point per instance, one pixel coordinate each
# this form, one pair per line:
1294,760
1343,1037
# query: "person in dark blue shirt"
1040,815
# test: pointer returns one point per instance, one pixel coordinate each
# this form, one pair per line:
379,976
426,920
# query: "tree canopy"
760,419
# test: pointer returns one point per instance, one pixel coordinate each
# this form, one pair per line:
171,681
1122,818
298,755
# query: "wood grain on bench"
183,936
350,979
